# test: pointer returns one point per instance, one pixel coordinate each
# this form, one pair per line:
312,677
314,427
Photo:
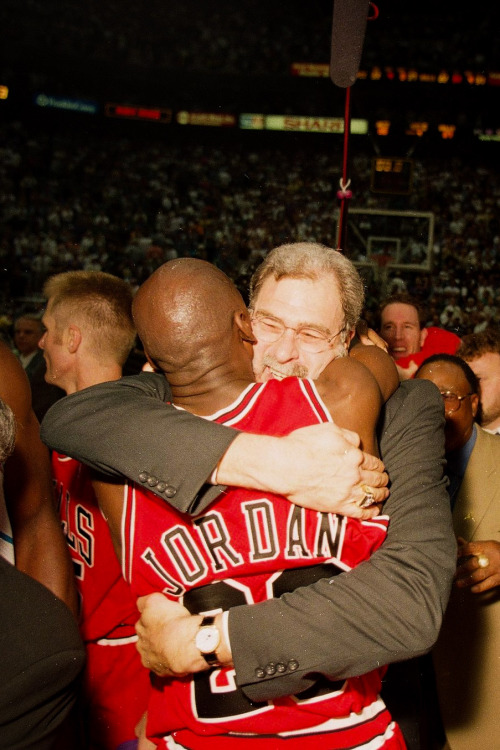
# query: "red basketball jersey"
245,548
108,610
116,685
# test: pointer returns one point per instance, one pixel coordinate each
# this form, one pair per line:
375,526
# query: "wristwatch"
207,641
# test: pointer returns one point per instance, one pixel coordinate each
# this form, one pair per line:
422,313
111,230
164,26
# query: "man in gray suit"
388,609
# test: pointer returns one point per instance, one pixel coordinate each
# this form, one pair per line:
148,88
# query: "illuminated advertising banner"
314,70
403,74
314,124
132,112
488,134
66,103
252,122
211,119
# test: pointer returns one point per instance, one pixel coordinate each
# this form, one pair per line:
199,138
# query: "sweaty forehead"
447,376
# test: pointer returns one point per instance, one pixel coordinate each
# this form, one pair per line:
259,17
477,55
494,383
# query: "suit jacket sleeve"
41,659
99,426
388,608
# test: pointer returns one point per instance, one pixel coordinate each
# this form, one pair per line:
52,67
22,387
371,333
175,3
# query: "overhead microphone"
348,33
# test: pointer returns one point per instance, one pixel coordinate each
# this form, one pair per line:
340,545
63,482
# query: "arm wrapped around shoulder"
126,428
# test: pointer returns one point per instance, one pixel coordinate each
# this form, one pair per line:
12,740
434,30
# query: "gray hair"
7,431
311,260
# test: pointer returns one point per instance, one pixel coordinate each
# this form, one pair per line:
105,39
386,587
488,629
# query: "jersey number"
216,694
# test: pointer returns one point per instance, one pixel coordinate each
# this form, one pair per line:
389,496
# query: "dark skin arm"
39,544
380,364
353,397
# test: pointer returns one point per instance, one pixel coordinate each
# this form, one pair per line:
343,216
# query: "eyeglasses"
452,401
309,339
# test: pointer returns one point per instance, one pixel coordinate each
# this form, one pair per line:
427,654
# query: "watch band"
211,658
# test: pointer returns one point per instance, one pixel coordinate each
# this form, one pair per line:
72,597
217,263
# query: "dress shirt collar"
25,359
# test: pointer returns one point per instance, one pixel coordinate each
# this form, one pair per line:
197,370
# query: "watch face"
207,639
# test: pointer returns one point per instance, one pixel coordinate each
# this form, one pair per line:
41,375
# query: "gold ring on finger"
482,561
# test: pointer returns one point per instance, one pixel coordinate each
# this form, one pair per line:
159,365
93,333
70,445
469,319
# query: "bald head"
185,315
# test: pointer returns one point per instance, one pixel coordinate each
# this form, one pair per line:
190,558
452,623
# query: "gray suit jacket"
41,660
387,609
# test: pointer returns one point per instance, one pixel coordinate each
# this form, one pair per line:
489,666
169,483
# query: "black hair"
453,360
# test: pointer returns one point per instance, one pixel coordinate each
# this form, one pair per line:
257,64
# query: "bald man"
244,547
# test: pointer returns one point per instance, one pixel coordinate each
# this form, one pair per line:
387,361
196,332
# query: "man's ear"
474,403
242,321
74,338
423,336
349,337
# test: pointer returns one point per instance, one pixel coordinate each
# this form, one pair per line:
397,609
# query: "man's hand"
166,633
478,565
369,337
328,472
319,467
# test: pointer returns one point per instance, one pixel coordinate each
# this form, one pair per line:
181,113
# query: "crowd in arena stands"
125,205
243,37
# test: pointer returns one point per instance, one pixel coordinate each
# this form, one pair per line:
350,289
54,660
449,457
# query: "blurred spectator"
250,37
91,214
409,342
481,351
28,330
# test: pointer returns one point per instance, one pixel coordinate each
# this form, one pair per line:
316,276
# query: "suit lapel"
479,488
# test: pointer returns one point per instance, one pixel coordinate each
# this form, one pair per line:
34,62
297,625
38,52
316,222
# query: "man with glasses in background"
467,655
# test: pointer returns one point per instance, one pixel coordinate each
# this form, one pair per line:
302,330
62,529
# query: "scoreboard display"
392,175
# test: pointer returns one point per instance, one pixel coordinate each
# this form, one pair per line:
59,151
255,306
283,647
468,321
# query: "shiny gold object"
482,561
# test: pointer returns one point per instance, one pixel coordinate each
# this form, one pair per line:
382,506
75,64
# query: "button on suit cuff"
272,668
159,485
